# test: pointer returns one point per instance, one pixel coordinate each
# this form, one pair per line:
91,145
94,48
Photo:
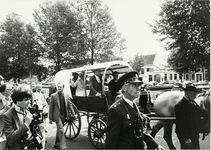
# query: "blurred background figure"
52,90
39,88
5,101
39,100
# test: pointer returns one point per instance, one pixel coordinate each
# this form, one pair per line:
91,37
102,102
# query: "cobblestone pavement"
82,141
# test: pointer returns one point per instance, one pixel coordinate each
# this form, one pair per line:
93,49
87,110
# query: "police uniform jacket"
188,119
120,129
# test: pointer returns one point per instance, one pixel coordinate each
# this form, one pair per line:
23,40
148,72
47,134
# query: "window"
170,76
165,78
187,76
150,77
193,76
175,76
147,69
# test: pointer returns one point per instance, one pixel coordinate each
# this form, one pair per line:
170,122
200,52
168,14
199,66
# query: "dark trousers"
194,145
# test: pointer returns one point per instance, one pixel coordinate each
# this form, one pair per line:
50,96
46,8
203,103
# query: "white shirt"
39,99
128,101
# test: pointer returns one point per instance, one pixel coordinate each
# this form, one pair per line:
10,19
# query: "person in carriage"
113,86
79,85
125,123
95,84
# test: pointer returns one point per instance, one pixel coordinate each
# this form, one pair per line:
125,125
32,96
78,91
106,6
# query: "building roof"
149,59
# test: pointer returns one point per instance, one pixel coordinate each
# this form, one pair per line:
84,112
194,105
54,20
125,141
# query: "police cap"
130,77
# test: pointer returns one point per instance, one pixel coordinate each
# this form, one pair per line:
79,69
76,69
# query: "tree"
137,63
103,40
185,26
19,48
61,34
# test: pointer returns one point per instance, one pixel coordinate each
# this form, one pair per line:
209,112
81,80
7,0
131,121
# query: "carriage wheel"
96,133
73,124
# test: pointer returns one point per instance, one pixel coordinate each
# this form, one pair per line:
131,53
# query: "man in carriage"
95,84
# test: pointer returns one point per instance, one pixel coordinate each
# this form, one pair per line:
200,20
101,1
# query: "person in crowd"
52,90
113,87
15,85
95,84
17,119
73,80
79,85
125,123
5,101
34,89
59,106
39,88
145,99
188,115
39,100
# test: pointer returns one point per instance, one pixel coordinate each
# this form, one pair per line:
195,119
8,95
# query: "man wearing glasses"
125,123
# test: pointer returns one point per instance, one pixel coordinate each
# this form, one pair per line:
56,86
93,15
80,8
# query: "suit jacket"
188,119
114,88
54,111
13,129
94,85
120,129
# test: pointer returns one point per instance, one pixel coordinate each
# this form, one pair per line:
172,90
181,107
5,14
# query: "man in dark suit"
188,115
124,121
58,111
95,84
17,119
113,87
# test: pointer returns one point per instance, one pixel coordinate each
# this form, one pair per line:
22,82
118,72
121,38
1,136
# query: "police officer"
125,122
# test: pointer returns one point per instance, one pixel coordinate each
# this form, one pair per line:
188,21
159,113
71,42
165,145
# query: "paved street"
82,141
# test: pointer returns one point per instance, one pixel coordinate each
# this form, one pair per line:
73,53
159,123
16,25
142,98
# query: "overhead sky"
130,16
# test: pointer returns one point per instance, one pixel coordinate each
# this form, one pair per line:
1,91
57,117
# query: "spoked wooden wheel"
72,126
96,133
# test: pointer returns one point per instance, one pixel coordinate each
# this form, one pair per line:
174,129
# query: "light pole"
30,72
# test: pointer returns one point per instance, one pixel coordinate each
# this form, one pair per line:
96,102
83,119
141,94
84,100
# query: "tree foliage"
185,26
19,48
137,63
103,40
61,34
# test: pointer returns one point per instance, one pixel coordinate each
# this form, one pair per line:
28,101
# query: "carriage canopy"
106,69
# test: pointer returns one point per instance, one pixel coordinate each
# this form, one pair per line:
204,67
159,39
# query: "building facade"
154,71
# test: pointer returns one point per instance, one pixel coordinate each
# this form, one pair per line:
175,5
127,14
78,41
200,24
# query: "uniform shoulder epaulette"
117,103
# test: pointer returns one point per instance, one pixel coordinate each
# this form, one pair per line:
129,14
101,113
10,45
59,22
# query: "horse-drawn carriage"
93,107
